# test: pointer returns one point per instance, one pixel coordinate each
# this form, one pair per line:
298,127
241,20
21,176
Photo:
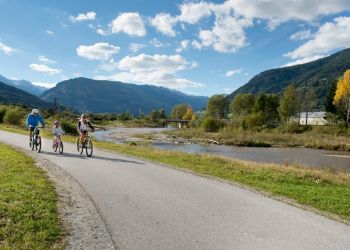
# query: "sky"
197,47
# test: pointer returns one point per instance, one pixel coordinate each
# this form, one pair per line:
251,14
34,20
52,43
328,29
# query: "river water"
292,156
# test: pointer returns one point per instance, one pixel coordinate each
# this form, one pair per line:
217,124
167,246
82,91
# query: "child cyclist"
57,131
83,125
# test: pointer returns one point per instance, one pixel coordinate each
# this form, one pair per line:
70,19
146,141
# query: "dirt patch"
83,225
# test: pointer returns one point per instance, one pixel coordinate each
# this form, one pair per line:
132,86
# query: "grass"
325,190
317,137
28,214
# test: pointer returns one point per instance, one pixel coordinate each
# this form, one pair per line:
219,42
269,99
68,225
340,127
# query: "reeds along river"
292,156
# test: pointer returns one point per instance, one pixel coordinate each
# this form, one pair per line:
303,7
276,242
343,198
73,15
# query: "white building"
313,118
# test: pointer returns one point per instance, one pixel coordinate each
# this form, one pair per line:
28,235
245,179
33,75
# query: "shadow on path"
83,156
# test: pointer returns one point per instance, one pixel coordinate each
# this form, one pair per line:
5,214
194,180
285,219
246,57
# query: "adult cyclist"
33,120
82,127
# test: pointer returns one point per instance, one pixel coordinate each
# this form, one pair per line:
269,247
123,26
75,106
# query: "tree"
342,94
309,102
243,104
288,104
267,105
179,111
217,107
157,115
188,115
328,104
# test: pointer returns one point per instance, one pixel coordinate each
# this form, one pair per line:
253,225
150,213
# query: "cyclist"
33,120
57,131
83,125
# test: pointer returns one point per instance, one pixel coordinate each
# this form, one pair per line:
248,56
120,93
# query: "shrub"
254,120
13,116
69,128
294,128
2,114
212,125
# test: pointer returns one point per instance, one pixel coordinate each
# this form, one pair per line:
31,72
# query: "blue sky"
198,47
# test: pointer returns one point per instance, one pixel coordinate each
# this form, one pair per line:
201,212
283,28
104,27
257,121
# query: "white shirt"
57,131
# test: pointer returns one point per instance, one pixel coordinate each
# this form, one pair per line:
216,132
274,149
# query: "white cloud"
135,47
232,17
183,46
154,69
303,60
330,36
88,16
45,84
50,32
193,12
301,35
101,32
232,72
46,60
227,35
98,51
44,69
129,23
164,23
277,12
158,44
6,49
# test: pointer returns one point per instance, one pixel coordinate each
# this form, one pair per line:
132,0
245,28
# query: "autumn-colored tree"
342,94
179,111
188,115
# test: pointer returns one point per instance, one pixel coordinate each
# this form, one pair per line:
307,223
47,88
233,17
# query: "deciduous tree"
243,104
288,104
217,106
342,94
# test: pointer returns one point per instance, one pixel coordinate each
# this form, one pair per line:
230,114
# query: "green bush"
254,120
212,125
2,114
294,128
13,116
69,128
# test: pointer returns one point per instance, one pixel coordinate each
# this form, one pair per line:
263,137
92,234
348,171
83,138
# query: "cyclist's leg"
31,129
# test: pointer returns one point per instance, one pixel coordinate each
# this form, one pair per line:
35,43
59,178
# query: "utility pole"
55,108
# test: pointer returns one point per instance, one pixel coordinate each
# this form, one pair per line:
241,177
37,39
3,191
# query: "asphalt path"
148,206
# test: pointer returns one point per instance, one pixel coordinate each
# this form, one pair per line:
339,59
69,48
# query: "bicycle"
58,144
35,143
87,145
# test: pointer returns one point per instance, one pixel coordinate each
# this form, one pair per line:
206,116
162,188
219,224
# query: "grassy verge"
318,138
327,191
28,213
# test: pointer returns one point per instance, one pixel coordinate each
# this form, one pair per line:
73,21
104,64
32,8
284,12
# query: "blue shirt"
33,120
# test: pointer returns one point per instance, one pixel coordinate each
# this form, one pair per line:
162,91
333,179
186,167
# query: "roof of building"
319,114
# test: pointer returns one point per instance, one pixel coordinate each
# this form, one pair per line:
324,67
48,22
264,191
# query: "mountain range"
318,75
13,95
101,96
23,85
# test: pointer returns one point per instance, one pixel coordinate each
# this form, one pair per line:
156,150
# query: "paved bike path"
147,206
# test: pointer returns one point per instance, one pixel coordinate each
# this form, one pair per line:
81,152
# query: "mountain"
319,75
12,95
101,96
23,85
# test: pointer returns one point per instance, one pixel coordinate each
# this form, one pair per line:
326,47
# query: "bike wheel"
89,148
55,147
60,148
33,143
38,144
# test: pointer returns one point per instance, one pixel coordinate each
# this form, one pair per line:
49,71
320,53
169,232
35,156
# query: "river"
292,156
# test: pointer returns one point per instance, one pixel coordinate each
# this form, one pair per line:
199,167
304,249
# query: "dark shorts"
83,131
31,128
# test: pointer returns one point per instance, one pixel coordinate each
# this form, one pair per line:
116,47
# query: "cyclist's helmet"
56,122
83,116
35,111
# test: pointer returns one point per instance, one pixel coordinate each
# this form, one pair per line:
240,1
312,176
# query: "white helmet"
35,111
